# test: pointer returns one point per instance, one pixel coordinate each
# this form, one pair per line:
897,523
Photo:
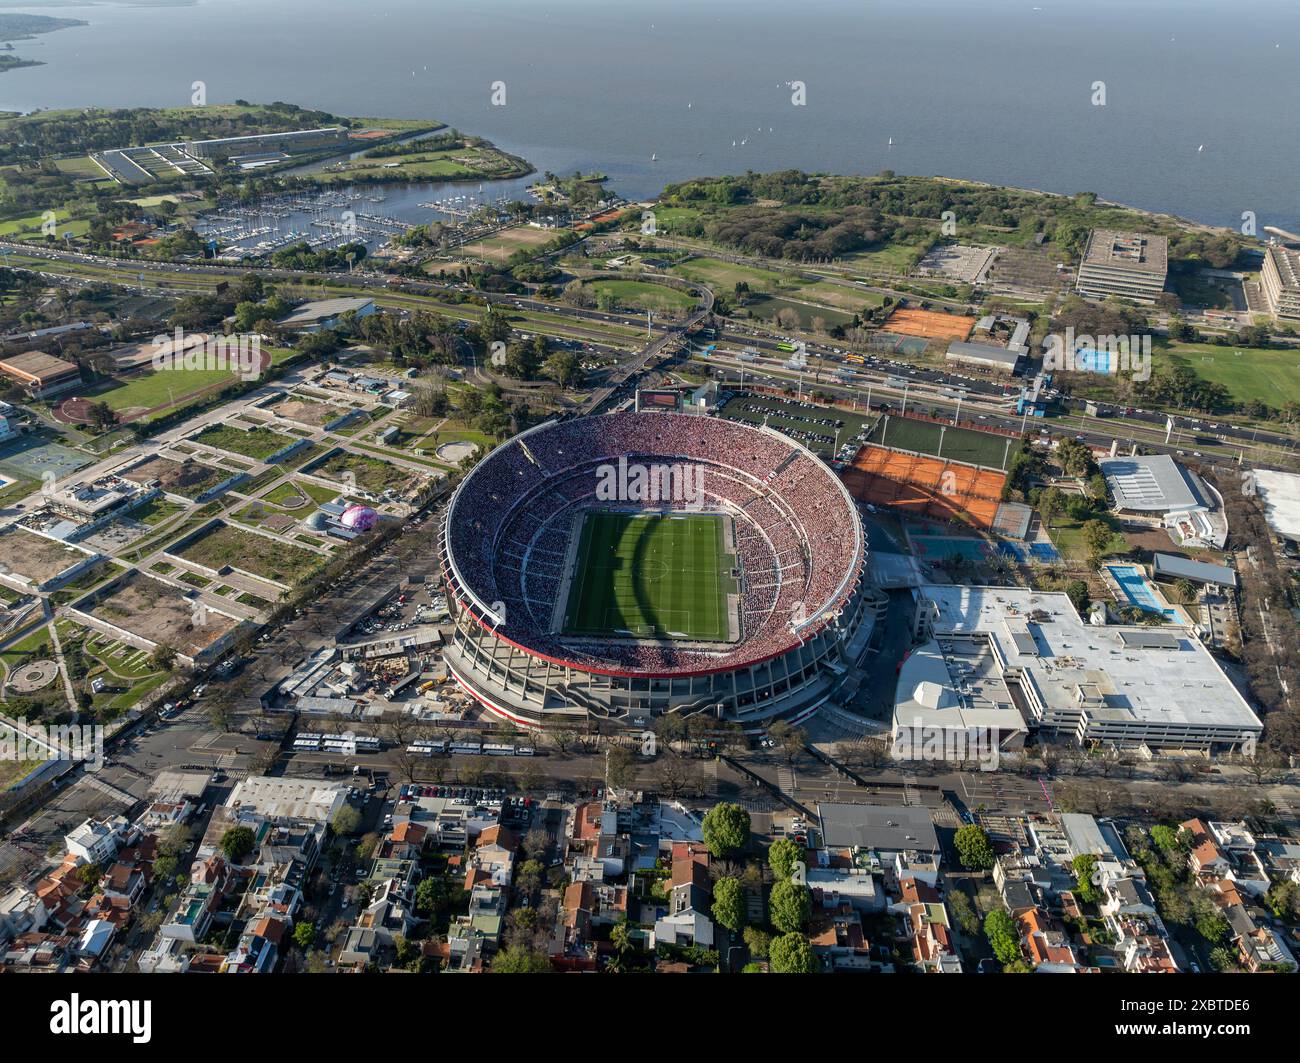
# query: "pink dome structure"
359,518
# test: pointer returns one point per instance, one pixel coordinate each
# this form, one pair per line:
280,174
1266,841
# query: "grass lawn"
1272,377
500,246
1068,536
31,225
724,276
258,554
371,474
766,308
155,511
156,389
893,256
841,296
651,576
298,488
642,295
259,443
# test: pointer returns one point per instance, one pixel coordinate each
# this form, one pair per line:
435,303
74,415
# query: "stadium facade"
799,610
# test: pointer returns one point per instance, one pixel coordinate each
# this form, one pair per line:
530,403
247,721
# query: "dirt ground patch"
162,614
929,323
35,556
186,478
316,414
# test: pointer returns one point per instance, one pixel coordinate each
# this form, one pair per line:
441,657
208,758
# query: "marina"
329,218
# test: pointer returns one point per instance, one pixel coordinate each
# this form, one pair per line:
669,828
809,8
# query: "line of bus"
431,747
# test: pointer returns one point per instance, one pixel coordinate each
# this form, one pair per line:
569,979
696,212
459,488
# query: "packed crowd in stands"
799,542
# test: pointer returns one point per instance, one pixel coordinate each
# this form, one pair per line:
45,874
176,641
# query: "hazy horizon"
999,91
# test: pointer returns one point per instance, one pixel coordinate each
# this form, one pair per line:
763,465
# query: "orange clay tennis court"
930,324
919,486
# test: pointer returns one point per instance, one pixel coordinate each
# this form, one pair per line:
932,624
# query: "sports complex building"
628,565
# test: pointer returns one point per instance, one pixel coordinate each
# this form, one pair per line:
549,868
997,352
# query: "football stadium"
627,565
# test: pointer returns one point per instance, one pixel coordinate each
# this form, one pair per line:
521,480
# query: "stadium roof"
1280,493
889,827
1197,571
1152,483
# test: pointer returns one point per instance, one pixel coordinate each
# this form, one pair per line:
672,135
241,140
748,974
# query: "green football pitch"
651,576
944,441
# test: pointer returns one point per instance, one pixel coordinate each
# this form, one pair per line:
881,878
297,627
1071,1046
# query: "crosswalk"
108,789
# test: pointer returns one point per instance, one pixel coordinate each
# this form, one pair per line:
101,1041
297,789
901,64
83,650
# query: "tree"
304,935
237,843
792,954
620,767
726,829
789,905
729,904
974,848
519,959
347,821
1049,505
1085,869
1001,932
790,739
1096,536
1283,899
783,856
1171,839
431,895
758,942
620,935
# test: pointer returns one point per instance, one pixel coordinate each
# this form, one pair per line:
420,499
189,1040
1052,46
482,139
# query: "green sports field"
958,444
651,576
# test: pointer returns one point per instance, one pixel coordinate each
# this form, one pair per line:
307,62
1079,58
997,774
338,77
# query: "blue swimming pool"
1133,582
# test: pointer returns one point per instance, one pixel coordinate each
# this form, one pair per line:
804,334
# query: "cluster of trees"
1269,656
800,235
727,833
423,339
301,256
1065,220
1162,854
419,145
200,311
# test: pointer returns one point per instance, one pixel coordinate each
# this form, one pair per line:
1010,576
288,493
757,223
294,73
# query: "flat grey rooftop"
1170,679
1130,251
889,827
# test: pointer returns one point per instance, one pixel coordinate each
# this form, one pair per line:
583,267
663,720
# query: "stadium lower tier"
534,691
